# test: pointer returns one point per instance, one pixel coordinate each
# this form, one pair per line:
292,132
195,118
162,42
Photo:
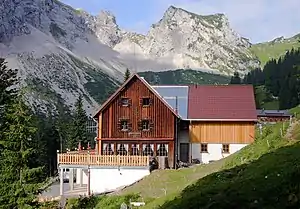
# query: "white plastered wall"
214,151
108,179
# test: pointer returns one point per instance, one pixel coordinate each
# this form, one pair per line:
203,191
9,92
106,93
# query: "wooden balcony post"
89,176
71,179
61,179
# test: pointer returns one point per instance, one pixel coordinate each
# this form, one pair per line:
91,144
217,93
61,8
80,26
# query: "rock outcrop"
62,52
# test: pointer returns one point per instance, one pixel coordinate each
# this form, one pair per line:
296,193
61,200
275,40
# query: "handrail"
102,160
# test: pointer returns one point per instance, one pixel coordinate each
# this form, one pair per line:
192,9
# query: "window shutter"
120,102
141,101
129,126
151,125
119,124
129,102
150,101
140,125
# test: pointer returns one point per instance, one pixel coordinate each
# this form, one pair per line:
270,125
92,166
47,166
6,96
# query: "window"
122,149
146,101
108,149
135,149
204,148
145,125
162,150
225,148
124,125
125,102
148,149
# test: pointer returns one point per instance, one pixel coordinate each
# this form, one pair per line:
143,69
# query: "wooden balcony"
102,160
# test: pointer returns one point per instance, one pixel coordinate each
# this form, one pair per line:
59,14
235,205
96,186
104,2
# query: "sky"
258,20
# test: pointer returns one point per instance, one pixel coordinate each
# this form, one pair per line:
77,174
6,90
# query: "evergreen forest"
277,83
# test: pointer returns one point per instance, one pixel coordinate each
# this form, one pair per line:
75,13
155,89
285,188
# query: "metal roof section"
274,113
176,97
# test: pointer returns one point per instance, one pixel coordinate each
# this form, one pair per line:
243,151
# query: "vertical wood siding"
161,117
222,132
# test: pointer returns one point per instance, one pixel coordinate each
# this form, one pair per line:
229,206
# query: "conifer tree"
127,75
236,79
20,181
78,128
8,78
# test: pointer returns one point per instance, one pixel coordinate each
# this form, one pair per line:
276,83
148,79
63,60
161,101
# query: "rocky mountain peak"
106,18
189,40
66,52
178,14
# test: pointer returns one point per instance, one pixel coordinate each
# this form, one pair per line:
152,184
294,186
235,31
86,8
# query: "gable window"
204,148
146,101
124,125
225,148
125,102
145,125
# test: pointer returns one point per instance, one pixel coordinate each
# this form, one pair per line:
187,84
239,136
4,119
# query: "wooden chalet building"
205,122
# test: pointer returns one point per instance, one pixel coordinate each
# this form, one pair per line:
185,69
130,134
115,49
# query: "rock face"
62,52
57,54
189,40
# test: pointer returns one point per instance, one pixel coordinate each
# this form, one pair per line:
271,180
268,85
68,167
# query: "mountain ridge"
69,52
275,48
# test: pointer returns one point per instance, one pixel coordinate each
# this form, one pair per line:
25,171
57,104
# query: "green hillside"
181,76
274,49
255,177
264,174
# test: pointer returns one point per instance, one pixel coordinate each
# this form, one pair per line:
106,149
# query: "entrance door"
184,152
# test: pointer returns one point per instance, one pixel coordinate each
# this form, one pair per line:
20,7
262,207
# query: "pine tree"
20,182
127,75
236,79
79,133
8,78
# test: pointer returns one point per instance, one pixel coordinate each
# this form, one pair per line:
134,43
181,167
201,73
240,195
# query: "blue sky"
258,20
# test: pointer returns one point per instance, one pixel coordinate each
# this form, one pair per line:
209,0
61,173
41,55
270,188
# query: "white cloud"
259,20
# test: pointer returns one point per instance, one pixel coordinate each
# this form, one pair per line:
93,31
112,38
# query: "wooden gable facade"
136,121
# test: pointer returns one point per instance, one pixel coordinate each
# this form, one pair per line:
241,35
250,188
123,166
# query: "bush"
82,202
114,202
100,202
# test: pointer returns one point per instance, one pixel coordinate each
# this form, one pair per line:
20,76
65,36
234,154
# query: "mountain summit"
63,52
188,40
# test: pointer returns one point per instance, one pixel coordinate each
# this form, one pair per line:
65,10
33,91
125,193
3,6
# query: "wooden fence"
102,160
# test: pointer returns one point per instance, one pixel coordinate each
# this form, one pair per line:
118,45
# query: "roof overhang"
113,96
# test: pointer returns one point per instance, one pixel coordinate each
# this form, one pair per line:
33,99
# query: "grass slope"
264,174
268,166
180,76
274,49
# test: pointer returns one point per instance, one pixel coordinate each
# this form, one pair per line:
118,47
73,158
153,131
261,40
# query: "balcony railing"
102,160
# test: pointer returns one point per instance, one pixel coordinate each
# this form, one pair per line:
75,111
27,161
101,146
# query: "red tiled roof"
222,102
